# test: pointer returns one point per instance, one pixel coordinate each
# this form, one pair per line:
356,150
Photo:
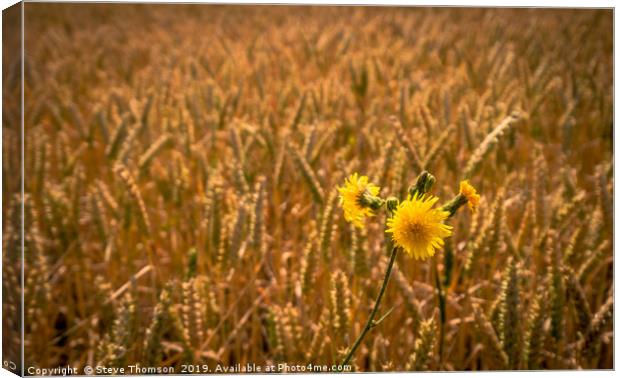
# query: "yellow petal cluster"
351,194
418,228
469,192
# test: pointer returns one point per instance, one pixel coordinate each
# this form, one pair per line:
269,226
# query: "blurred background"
181,166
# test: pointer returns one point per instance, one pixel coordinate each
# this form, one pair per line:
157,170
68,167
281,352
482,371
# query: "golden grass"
153,131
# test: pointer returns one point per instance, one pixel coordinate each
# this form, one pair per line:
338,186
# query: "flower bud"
423,184
370,201
392,204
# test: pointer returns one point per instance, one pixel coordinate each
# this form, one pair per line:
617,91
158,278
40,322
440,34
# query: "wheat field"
181,173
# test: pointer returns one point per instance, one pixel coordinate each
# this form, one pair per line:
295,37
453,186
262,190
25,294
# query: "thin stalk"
371,323
442,312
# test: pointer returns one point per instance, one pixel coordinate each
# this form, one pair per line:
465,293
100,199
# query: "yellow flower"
358,198
417,227
469,192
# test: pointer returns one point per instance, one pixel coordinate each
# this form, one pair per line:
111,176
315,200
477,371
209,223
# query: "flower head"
469,192
417,227
358,198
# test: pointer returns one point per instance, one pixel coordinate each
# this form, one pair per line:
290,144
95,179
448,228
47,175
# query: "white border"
477,3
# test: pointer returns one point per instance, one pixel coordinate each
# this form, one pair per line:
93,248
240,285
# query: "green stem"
370,323
442,312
